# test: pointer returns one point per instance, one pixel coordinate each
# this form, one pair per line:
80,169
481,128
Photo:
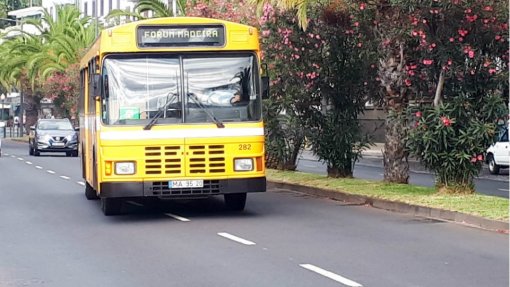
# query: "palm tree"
158,8
31,58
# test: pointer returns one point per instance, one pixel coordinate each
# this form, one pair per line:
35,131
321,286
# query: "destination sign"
180,36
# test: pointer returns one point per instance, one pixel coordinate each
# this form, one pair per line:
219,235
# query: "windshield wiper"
170,96
195,99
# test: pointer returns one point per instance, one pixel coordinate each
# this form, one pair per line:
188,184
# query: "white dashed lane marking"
236,239
80,183
180,218
64,177
28,162
38,167
331,275
50,171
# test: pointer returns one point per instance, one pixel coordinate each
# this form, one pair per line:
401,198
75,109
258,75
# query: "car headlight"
243,164
72,138
124,168
44,138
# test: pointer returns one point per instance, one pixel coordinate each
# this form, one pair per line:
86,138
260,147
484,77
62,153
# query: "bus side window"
106,87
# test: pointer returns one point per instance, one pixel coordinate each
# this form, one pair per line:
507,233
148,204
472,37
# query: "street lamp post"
2,97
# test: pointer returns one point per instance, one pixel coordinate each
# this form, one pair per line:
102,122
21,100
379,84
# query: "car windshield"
154,89
54,125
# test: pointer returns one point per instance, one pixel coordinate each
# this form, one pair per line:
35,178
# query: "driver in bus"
238,98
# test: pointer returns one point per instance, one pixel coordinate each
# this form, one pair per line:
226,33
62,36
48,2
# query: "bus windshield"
173,89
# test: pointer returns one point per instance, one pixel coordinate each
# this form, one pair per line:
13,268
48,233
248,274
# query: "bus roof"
123,38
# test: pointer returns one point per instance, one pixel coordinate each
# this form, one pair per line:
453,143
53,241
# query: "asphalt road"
50,235
372,168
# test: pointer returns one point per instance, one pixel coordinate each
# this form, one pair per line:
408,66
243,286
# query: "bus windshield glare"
172,89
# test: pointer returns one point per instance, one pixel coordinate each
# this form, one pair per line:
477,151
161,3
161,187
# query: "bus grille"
200,159
160,188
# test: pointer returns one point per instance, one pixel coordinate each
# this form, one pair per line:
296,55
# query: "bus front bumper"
161,189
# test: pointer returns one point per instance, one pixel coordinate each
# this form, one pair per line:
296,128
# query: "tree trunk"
339,172
396,166
438,98
31,108
391,73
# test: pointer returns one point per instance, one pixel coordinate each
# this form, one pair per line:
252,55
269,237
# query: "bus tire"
90,193
111,206
235,201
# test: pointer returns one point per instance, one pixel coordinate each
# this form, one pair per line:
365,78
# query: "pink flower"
362,6
471,54
407,82
418,114
446,121
497,37
492,71
428,62
479,157
473,159
471,18
462,32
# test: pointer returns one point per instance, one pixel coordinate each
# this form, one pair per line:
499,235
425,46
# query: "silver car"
53,135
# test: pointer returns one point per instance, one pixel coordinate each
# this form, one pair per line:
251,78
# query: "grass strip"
490,207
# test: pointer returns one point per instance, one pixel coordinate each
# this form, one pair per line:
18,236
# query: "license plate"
58,144
185,183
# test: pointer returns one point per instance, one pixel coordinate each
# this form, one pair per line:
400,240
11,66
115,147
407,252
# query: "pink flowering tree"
64,90
435,53
239,11
320,79
294,61
458,77
451,140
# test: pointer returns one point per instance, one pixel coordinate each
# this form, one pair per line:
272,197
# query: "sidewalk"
374,151
372,157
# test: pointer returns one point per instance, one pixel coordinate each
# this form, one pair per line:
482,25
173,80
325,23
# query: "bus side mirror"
265,87
97,84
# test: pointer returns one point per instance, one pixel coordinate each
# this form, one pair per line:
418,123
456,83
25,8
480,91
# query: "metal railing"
11,131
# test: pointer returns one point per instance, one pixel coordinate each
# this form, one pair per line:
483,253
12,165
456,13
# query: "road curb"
415,210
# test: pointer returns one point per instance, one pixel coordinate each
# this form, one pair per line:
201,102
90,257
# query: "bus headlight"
124,168
243,164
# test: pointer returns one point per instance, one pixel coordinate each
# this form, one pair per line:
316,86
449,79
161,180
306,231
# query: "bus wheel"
235,201
111,206
90,193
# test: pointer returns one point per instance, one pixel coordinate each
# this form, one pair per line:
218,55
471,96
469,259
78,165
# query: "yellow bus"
171,108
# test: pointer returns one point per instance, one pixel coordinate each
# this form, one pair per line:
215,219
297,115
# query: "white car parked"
498,154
